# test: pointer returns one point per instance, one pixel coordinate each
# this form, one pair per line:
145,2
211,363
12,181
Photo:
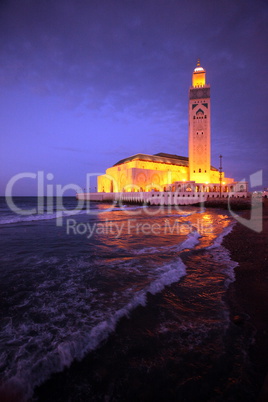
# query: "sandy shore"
115,371
248,295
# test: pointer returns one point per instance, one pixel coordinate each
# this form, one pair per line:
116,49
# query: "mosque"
167,172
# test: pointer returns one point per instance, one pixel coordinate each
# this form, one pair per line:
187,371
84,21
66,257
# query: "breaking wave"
33,370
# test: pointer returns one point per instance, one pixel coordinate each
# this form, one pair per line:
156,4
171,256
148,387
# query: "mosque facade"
168,172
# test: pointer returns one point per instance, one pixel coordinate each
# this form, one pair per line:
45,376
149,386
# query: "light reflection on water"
125,230
74,286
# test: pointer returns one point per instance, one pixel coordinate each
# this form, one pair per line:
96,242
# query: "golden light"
162,172
199,76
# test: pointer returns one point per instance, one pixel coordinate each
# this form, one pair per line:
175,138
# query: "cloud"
112,76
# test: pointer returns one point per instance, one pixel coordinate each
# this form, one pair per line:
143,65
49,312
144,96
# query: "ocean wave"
18,218
217,242
221,254
40,217
190,242
32,370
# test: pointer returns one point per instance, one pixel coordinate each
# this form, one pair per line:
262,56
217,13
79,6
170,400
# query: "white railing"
161,198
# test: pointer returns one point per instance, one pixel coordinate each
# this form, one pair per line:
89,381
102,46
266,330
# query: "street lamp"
220,170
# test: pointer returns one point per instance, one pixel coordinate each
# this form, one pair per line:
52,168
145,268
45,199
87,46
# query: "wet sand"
248,295
117,370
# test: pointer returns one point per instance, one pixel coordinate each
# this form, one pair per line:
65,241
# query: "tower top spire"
199,75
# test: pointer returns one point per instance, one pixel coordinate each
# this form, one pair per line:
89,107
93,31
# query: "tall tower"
199,127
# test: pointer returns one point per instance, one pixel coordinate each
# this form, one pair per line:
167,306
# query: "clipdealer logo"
133,226
46,189
255,222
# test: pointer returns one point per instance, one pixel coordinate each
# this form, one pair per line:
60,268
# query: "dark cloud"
113,67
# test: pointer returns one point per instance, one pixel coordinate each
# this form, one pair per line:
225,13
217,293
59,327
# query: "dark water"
70,278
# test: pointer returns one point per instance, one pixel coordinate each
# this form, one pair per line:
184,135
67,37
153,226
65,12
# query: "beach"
140,305
134,364
248,296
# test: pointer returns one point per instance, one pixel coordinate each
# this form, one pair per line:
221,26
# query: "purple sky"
84,84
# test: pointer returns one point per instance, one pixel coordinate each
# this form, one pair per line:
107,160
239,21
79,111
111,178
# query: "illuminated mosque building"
167,172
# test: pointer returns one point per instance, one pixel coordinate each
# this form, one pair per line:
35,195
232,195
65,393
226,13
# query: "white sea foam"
217,242
35,367
10,219
179,215
220,254
189,243
38,217
74,311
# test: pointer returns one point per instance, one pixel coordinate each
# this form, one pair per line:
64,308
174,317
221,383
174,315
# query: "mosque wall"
137,174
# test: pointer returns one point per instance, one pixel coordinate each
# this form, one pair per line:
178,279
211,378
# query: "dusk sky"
85,83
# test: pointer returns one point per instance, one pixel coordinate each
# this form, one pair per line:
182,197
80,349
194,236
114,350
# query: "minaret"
199,127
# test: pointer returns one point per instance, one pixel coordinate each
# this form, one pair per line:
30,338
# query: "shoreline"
247,296
101,368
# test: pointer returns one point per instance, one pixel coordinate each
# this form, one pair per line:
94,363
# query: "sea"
110,302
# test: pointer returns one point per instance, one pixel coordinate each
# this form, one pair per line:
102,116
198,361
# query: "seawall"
238,200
